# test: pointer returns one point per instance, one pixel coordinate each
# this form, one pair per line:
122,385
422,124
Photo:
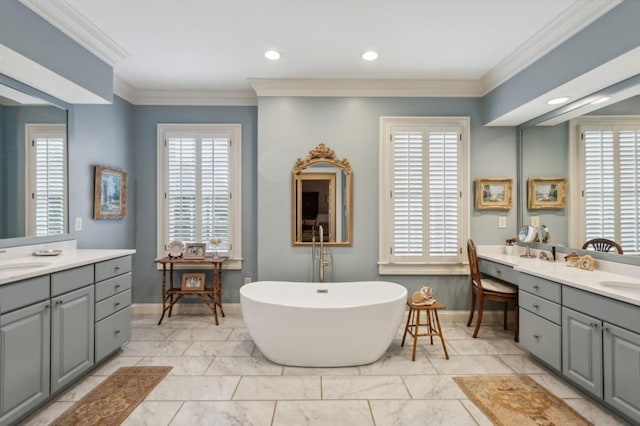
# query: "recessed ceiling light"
272,55
600,100
556,101
370,55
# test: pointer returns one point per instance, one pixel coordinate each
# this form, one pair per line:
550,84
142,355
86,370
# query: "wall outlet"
502,221
247,280
535,221
78,224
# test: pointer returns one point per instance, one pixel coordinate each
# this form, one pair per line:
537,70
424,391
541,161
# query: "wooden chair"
489,289
602,244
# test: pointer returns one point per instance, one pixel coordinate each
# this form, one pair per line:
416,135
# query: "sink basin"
23,265
621,285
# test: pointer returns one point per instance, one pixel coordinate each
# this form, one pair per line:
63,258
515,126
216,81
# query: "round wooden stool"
432,325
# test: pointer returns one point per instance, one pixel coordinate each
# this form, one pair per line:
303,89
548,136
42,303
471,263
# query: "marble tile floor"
219,377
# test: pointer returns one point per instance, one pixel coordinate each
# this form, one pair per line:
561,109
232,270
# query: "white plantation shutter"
198,186
443,192
408,204
611,185
629,162
46,175
425,188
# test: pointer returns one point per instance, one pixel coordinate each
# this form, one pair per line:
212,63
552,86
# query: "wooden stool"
432,324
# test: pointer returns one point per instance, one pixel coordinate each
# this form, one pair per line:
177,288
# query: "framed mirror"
322,199
33,166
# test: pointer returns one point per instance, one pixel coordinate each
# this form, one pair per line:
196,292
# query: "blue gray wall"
289,127
145,120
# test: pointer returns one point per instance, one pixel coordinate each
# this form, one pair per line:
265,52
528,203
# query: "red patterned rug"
114,399
518,400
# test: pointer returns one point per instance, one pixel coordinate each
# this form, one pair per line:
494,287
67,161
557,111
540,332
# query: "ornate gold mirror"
322,199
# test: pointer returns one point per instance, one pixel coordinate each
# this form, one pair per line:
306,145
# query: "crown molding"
194,97
365,87
123,89
67,19
573,19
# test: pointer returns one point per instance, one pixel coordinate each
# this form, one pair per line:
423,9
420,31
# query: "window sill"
385,268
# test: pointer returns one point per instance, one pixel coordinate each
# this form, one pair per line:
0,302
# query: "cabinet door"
582,350
24,360
622,370
71,336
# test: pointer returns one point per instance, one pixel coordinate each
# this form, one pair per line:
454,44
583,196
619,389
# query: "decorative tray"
49,252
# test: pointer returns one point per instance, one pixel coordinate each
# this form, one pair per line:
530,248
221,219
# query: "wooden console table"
211,296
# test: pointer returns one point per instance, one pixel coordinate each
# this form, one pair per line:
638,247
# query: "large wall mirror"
33,166
545,151
322,199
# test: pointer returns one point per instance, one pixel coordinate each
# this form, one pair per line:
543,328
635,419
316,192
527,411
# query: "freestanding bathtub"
323,324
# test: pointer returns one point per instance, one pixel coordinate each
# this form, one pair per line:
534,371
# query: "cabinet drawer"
541,338
540,306
112,304
112,332
540,287
498,270
613,311
113,267
71,279
23,293
113,286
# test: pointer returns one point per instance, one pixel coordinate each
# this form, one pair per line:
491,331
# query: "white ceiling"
464,47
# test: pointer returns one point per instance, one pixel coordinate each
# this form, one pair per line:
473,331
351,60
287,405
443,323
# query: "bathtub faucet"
322,261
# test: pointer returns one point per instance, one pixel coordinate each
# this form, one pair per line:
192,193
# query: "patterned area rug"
518,400
114,399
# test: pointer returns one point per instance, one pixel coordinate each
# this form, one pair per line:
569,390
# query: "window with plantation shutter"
609,168
46,173
199,186
423,169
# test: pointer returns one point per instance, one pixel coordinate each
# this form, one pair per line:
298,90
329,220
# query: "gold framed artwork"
494,193
195,250
547,193
109,193
192,282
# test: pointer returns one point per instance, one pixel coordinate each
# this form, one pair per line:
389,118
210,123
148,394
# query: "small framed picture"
547,193
110,193
195,250
493,193
192,282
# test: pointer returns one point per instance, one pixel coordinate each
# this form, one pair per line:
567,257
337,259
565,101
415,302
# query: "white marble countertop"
558,271
69,258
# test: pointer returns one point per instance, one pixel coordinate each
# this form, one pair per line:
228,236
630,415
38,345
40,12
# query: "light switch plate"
502,221
78,224
247,280
535,221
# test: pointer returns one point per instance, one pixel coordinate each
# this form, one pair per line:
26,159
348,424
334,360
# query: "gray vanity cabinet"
71,336
582,350
622,369
24,360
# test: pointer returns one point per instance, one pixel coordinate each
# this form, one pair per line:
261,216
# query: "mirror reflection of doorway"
317,207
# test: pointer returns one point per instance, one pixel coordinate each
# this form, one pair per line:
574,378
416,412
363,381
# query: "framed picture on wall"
109,193
547,193
494,193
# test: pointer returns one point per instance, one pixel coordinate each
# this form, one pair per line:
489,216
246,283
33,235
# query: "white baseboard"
488,317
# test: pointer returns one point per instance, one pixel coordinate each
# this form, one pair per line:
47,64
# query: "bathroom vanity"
583,325
60,316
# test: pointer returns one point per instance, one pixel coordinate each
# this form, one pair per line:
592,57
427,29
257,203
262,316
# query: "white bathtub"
299,324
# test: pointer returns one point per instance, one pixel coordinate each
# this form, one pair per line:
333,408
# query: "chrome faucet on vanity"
323,257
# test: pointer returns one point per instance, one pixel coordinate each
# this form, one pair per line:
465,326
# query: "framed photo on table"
195,250
547,193
192,282
494,193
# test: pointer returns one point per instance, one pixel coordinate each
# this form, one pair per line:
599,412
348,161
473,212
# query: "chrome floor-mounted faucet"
322,255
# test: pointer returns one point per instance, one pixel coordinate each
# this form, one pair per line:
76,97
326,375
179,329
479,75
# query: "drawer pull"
536,336
116,304
535,287
117,286
535,305
498,271
117,332
117,268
